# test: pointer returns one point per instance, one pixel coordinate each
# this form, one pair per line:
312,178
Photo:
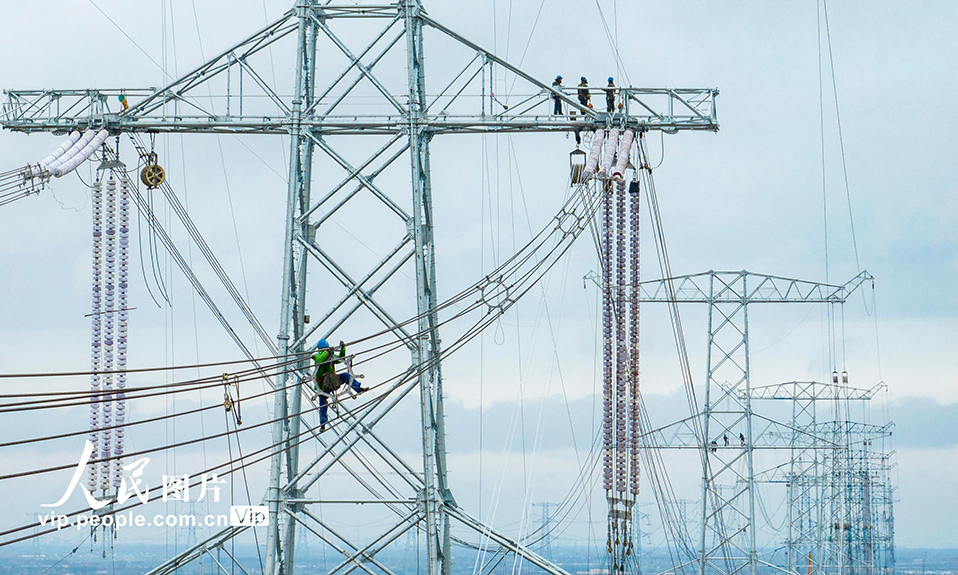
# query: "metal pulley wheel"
152,175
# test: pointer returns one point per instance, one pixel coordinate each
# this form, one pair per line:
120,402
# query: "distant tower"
545,528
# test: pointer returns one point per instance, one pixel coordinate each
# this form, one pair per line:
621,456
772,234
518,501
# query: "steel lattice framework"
834,476
406,120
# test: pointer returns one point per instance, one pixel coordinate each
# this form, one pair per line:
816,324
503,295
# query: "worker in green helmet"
327,380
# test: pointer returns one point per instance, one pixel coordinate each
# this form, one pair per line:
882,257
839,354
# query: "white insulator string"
592,162
609,156
622,352
622,160
123,244
95,336
607,445
635,278
81,143
109,304
66,145
83,155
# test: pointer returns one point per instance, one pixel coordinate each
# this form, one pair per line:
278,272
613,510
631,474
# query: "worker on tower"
556,100
584,98
328,381
610,96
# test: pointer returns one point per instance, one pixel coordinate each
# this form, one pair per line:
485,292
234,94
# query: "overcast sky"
749,197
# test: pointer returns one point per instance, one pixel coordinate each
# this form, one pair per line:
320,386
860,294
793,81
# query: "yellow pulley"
152,175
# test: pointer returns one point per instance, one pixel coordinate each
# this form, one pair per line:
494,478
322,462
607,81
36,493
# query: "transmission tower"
733,430
405,120
545,528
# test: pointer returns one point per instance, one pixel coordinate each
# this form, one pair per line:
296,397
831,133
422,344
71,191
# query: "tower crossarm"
745,287
811,391
226,94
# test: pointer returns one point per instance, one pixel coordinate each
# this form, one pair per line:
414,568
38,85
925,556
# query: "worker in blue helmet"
556,100
327,380
610,96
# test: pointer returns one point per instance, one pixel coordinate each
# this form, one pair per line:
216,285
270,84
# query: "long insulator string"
95,336
109,301
622,351
122,325
635,278
607,444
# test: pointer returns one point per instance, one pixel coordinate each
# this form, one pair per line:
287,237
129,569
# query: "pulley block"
152,175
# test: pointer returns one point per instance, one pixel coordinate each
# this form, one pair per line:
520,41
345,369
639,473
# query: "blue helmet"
322,344
610,79
558,77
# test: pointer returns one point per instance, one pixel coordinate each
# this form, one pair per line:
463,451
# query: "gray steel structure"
409,122
827,473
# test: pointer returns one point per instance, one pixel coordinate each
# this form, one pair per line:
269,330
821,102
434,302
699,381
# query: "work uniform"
328,381
584,97
610,97
556,101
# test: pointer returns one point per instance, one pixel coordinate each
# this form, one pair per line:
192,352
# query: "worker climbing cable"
327,381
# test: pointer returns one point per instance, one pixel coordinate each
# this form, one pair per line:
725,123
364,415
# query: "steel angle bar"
685,103
493,58
378,543
352,175
389,503
262,84
357,287
453,81
371,291
255,42
357,175
194,552
232,559
224,570
335,547
403,469
327,11
341,97
344,278
359,65
400,467
408,380
512,113
514,546
367,557
352,64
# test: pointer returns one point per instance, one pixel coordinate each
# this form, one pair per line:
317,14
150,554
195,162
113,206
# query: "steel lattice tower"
409,124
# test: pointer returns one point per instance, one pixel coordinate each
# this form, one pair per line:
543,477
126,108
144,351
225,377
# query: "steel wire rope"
552,330
556,364
211,258
675,318
229,195
464,339
841,140
155,497
150,420
87,395
132,370
458,344
423,366
249,499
